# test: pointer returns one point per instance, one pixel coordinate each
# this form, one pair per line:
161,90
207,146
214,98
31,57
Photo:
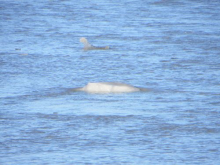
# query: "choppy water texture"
170,47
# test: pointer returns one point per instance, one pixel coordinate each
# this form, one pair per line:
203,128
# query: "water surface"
171,48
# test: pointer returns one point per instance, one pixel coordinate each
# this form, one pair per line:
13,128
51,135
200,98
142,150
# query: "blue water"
169,47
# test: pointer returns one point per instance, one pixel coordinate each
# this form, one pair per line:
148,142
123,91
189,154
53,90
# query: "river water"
169,47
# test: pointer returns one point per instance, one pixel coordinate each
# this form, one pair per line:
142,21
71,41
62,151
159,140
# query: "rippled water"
170,47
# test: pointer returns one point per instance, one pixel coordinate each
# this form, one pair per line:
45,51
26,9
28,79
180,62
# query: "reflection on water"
170,48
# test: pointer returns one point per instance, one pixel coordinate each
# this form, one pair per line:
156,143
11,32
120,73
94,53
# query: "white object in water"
88,46
109,87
